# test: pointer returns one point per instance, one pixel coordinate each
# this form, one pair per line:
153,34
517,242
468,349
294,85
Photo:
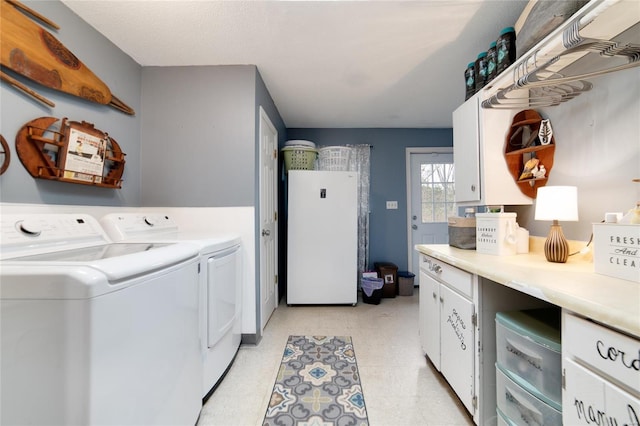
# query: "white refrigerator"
322,237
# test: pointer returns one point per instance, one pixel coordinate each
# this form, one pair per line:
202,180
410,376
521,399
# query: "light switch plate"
392,205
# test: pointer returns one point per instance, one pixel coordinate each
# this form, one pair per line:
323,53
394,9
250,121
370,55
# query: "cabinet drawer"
460,280
528,346
521,407
613,353
503,420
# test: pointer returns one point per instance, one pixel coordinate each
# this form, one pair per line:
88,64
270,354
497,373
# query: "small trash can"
405,283
388,272
371,290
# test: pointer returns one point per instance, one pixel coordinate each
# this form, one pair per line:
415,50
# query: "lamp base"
556,247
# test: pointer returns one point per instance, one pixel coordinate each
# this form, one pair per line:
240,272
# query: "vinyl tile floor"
400,386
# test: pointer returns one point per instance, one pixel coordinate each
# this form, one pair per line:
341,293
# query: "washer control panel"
33,233
124,226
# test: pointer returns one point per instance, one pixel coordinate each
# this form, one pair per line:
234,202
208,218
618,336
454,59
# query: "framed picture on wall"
84,153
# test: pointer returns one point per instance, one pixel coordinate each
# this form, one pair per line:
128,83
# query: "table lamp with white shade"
557,203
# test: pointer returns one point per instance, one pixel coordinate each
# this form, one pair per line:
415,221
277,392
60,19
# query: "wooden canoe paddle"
31,51
33,13
15,83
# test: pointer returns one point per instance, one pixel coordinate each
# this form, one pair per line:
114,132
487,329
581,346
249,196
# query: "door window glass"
438,192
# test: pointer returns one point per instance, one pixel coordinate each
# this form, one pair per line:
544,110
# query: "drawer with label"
614,354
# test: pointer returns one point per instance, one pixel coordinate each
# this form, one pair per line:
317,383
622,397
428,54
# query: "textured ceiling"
326,63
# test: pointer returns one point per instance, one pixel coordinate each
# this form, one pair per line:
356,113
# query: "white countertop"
573,285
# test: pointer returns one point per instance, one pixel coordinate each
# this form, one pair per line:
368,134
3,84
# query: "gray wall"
263,98
388,228
120,73
199,136
200,140
597,139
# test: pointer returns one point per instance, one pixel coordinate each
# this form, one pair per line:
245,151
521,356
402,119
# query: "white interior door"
268,218
431,191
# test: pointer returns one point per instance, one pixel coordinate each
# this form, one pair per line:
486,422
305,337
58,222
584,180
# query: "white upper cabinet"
466,151
482,175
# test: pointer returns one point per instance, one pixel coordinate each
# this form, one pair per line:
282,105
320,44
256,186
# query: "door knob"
266,232
414,227
414,217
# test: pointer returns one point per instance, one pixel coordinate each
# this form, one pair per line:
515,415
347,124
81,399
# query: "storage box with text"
496,233
616,250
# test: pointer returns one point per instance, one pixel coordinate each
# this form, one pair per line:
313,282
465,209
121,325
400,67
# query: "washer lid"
92,254
94,271
117,261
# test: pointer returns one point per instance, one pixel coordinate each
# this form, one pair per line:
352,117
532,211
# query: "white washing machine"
93,332
220,283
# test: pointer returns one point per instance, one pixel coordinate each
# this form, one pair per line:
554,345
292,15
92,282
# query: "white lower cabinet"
430,323
458,330
448,330
457,346
601,370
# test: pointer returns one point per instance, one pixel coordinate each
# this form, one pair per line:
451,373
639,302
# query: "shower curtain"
359,161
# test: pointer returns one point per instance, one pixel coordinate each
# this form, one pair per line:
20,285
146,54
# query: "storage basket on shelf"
334,158
298,157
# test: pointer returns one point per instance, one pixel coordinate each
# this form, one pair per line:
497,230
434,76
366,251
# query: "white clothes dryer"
220,284
93,332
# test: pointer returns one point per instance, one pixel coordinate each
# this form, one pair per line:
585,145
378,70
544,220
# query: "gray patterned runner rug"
318,384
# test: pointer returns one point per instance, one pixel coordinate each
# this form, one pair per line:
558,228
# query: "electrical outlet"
392,205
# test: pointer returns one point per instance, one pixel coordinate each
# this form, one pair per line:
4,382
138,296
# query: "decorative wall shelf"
517,158
76,153
5,155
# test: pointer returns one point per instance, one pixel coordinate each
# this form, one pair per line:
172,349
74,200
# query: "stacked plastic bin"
529,367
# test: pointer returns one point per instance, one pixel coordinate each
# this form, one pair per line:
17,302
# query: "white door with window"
431,191
268,218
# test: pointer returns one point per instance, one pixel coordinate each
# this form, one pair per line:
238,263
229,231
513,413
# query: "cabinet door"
583,394
622,408
422,311
590,399
430,312
457,344
466,151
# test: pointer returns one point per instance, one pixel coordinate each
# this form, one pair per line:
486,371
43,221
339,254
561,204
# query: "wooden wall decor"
77,152
5,155
528,161
30,51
